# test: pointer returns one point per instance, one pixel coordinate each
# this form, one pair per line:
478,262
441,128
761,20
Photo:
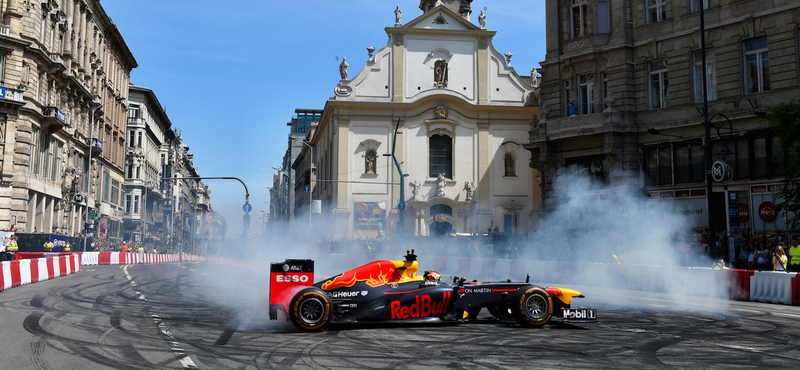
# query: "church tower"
461,7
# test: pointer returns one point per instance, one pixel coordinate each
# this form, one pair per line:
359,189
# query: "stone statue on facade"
440,73
398,17
543,112
469,186
369,164
609,100
534,78
440,181
414,189
482,20
343,68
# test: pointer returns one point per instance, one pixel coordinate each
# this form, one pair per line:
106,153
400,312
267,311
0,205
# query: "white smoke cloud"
572,247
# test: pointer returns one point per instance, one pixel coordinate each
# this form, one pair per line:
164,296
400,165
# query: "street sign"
721,172
306,189
93,214
401,206
247,208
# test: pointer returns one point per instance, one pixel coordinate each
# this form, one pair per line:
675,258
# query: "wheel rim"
312,310
536,306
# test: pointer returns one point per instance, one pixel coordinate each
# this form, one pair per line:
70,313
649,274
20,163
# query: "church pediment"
441,18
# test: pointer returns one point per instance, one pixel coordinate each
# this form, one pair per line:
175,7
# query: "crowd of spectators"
765,252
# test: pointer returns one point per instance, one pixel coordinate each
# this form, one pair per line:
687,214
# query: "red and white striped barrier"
31,267
119,258
26,271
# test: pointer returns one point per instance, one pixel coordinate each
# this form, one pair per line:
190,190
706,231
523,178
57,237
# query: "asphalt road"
214,317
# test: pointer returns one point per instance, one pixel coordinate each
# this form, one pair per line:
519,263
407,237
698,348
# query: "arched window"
370,162
440,156
510,165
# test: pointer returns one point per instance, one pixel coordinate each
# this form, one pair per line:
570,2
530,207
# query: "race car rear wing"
286,278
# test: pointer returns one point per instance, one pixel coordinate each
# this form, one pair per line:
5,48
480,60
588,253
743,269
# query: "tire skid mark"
647,353
32,325
176,348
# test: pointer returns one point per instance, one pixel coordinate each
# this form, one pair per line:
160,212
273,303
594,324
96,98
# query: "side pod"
285,279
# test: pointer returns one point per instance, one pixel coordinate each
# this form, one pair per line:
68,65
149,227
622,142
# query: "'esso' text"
291,278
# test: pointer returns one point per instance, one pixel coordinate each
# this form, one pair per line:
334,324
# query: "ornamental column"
82,40
74,31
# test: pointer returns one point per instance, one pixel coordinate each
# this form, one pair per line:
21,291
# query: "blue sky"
231,73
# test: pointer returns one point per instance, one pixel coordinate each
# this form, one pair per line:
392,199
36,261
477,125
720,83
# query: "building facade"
426,138
65,71
283,199
150,140
633,72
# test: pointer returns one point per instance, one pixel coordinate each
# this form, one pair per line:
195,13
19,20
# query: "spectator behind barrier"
779,259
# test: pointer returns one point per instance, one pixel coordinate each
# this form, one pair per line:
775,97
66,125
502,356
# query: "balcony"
136,121
53,120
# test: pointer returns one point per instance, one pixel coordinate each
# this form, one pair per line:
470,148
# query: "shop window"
589,167
658,166
741,169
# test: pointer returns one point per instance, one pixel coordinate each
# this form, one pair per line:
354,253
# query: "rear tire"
532,306
310,310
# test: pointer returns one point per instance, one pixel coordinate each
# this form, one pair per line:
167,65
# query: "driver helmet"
431,275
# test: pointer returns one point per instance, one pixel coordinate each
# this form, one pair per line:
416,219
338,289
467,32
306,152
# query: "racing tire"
310,310
532,306
501,311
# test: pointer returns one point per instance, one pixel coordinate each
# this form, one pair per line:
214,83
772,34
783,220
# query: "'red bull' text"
423,306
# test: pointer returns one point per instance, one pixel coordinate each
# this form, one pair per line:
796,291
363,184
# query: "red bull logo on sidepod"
374,274
423,306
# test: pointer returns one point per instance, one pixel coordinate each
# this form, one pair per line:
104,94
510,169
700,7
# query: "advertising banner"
369,219
58,242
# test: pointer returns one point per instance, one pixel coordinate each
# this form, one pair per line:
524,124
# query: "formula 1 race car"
392,291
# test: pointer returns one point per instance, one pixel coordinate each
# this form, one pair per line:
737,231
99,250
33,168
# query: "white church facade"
439,105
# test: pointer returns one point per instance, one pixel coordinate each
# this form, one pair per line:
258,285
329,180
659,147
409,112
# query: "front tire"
532,306
310,310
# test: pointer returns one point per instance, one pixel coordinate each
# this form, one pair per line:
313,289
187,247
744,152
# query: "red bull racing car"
393,291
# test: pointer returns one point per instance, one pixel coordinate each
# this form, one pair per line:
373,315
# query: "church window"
441,156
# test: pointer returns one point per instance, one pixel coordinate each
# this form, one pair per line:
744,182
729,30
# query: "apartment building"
64,71
633,71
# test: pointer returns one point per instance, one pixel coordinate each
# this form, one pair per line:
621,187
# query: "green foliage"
784,121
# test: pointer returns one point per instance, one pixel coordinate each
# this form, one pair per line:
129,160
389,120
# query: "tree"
784,121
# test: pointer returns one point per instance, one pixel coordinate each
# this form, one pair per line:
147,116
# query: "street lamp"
401,205
89,177
310,172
